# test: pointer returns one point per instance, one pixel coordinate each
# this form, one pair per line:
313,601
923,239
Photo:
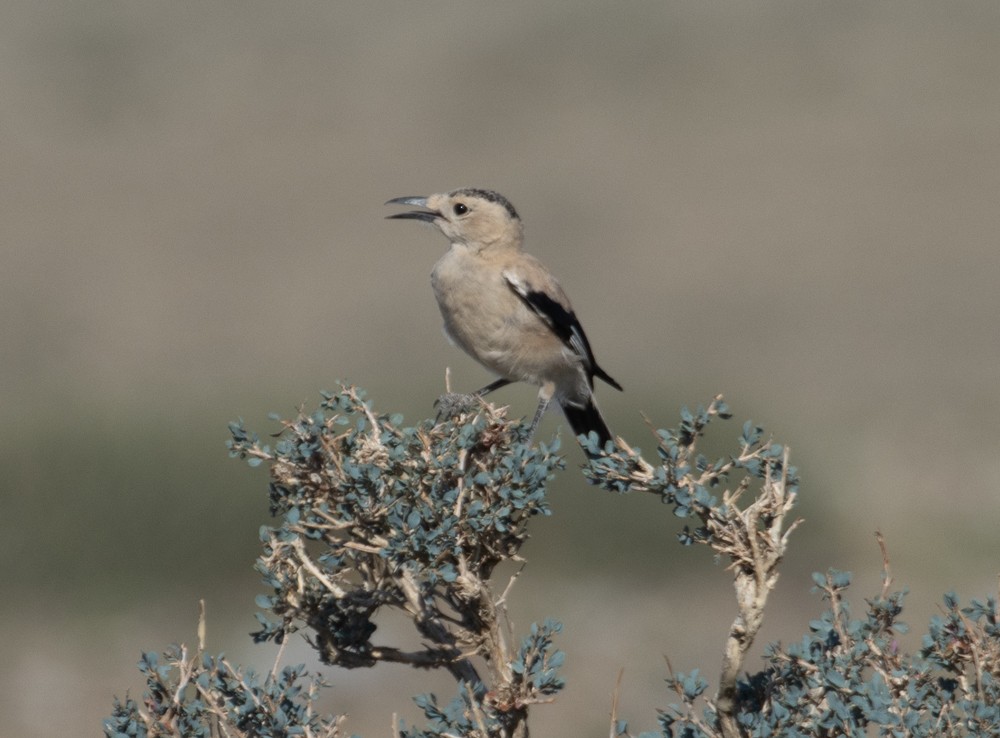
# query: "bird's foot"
451,404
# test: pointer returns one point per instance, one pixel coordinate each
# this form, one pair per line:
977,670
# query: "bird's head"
475,218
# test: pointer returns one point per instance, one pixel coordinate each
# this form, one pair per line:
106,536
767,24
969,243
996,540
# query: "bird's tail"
586,418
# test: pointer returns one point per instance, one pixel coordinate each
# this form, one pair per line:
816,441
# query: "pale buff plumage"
505,309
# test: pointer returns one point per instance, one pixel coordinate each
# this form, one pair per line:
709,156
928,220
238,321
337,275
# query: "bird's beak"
428,216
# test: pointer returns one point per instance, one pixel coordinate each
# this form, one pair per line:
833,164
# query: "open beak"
428,216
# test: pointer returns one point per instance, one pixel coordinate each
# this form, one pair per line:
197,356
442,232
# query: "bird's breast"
483,316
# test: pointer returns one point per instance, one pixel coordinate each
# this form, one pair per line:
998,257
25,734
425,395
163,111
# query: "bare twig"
278,657
307,563
886,570
202,627
614,702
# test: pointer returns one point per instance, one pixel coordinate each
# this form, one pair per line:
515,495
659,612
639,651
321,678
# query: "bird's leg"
543,403
453,403
502,382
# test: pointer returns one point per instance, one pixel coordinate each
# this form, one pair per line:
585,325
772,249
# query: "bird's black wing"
561,321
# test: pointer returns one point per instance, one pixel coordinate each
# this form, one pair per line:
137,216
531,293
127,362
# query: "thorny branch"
753,537
376,516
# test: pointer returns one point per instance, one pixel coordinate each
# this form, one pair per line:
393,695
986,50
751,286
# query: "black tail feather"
598,372
585,419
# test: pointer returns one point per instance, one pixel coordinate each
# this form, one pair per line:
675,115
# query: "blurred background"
791,203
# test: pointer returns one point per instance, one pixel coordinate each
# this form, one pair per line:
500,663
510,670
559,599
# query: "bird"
505,309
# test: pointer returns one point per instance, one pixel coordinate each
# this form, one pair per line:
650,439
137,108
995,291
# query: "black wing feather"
564,324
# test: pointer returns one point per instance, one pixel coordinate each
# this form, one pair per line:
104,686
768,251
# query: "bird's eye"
460,209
